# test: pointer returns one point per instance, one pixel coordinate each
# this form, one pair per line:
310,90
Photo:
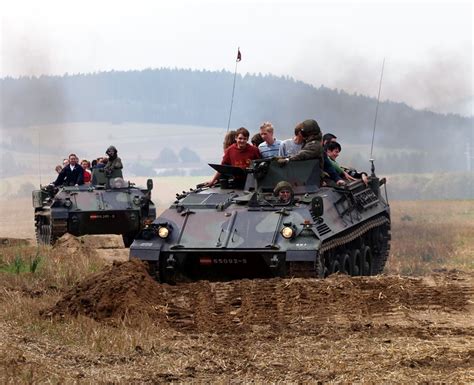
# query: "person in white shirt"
292,146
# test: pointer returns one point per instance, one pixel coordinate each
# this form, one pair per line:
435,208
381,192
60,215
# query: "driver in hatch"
284,192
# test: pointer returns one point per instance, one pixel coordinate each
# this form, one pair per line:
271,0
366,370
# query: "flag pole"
239,57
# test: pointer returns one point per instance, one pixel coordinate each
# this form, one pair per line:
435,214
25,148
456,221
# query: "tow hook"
274,262
170,262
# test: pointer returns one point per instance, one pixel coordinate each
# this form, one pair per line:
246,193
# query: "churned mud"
125,290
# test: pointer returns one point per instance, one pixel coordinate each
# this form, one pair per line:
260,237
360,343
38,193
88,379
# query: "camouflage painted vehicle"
226,232
108,206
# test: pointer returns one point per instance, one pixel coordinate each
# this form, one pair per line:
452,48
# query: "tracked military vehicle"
108,206
227,231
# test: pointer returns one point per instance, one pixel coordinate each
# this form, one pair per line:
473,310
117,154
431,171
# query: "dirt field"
70,315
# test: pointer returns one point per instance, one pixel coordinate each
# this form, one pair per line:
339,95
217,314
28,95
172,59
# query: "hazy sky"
428,47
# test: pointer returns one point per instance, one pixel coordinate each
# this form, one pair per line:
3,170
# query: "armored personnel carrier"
108,206
233,231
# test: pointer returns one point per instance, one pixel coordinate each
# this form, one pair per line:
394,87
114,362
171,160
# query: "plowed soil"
366,329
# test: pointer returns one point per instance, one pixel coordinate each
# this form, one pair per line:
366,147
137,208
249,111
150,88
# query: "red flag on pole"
239,56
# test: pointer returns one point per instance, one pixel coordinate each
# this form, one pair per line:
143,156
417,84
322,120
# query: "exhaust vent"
323,229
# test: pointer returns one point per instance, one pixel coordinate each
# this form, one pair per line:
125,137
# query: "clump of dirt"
69,245
106,247
124,288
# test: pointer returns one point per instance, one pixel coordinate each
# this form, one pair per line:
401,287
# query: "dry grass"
431,235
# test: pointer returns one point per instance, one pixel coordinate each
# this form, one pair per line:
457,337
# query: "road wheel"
356,262
366,261
345,264
335,266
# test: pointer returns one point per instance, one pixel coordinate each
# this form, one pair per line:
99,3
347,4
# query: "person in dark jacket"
114,163
71,175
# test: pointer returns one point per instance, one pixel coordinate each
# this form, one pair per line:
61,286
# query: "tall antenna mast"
239,58
372,168
39,155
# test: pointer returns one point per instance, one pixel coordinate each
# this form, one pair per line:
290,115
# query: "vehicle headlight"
287,232
163,232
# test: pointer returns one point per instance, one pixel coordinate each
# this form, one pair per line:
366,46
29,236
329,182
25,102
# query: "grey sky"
428,47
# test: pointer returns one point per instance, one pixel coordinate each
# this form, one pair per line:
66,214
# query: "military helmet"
112,150
282,185
310,128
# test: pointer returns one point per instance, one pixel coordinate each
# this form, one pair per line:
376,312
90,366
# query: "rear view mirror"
317,207
149,184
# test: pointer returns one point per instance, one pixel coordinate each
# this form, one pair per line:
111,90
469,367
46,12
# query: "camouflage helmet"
310,128
282,185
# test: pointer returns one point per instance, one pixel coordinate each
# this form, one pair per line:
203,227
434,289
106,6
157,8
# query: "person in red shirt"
240,154
87,172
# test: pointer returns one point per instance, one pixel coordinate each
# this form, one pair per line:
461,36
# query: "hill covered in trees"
203,98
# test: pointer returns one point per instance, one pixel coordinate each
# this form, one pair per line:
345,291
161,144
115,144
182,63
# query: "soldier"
114,162
284,192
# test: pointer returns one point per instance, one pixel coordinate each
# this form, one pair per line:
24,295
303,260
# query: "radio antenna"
239,58
372,168
39,155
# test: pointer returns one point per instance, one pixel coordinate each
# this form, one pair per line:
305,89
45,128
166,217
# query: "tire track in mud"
289,305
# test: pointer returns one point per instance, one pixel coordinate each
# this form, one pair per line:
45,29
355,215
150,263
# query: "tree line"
195,97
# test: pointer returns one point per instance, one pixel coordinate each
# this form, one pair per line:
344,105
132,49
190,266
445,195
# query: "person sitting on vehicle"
87,172
284,192
239,154
99,162
270,146
333,150
114,162
70,175
328,138
229,139
256,139
311,148
292,146
332,176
